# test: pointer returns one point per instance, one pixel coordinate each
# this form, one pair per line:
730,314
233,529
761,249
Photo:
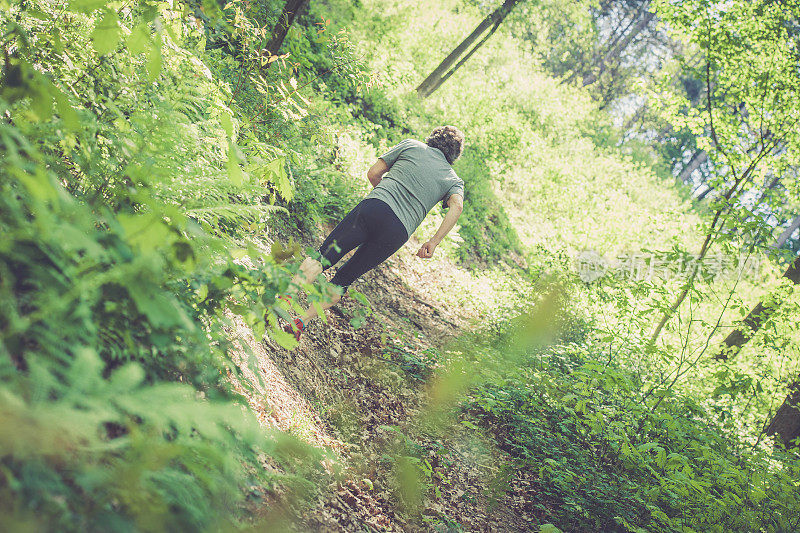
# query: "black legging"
371,225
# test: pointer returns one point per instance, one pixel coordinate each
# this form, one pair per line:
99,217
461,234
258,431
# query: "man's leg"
333,299
348,234
368,256
387,235
309,270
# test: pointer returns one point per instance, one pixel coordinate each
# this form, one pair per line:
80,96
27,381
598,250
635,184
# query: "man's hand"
456,205
426,250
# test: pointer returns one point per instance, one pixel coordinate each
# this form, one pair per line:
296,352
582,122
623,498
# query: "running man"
407,181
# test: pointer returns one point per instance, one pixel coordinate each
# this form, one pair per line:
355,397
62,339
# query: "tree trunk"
615,52
285,20
787,232
613,39
703,194
451,63
754,319
786,422
463,60
698,158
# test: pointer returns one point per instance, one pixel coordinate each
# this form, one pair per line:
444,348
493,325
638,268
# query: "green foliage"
89,438
418,365
125,184
325,197
86,452
413,467
603,458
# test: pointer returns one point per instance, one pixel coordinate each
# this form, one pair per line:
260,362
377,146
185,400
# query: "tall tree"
460,55
786,422
626,44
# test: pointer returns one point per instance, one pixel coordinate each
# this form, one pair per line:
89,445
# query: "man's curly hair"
449,140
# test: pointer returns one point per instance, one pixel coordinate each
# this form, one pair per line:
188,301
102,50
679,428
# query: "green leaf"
41,90
234,170
360,298
469,424
38,184
161,309
139,38
226,121
86,6
127,378
661,458
286,340
154,59
756,495
281,312
320,312
146,231
66,111
647,446
105,36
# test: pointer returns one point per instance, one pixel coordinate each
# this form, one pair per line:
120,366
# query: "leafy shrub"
123,190
606,460
325,197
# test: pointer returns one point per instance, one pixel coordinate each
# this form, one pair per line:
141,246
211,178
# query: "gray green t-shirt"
419,177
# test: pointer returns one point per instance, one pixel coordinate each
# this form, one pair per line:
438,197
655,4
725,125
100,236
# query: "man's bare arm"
376,172
455,204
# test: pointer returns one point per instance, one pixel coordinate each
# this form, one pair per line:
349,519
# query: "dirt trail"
342,389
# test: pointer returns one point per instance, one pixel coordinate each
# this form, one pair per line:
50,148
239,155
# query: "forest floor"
360,393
